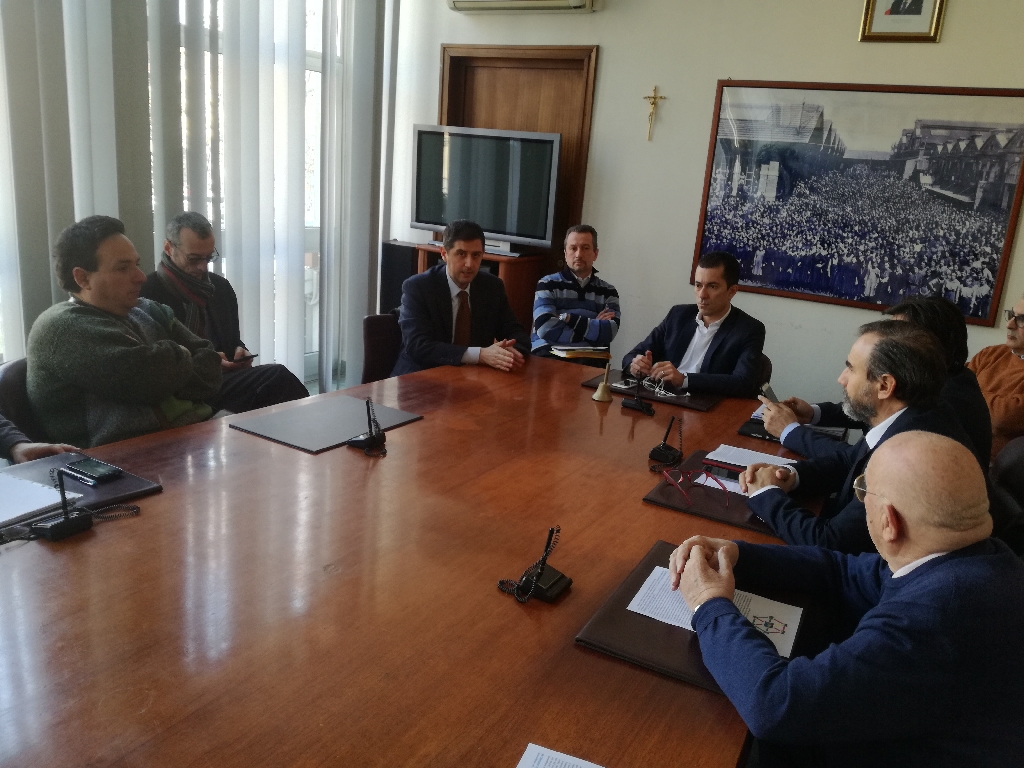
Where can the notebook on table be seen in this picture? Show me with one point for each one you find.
(626, 385)
(124, 487)
(320, 423)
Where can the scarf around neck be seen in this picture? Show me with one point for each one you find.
(194, 293)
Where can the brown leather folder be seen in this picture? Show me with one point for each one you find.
(693, 402)
(671, 650)
(641, 640)
(123, 488)
(709, 502)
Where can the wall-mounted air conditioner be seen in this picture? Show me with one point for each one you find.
(577, 6)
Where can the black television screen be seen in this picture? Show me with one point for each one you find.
(502, 180)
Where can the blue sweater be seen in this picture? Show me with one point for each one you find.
(562, 293)
(924, 670)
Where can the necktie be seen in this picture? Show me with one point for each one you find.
(462, 320)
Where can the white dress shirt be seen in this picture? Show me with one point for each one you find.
(920, 561)
(472, 354)
(698, 347)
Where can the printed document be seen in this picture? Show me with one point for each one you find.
(539, 757)
(741, 457)
(777, 621)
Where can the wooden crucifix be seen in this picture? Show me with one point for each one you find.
(653, 100)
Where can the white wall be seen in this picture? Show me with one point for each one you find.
(644, 198)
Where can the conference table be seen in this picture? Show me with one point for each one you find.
(276, 608)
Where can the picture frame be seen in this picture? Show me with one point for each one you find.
(864, 195)
(902, 21)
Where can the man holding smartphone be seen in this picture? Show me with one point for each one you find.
(205, 303)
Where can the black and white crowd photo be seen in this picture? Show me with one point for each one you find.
(866, 198)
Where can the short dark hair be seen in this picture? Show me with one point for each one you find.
(730, 267)
(188, 220)
(940, 316)
(581, 228)
(76, 247)
(461, 229)
(912, 355)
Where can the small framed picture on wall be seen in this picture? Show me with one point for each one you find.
(902, 21)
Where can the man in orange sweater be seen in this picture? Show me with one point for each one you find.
(1000, 372)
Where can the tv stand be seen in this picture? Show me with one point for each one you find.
(519, 273)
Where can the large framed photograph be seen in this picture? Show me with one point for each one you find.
(863, 195)
(902, 21)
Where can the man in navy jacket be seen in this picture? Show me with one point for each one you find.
(710, 346)
(454, 314)
(920, 662)
(892, 379)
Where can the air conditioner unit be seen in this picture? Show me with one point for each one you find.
(565, 6)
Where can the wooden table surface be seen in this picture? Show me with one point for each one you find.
(273, 608)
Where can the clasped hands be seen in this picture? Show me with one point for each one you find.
(701, 569)
(644, 365)
(502, 355)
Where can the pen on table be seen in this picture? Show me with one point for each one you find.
(544, 559)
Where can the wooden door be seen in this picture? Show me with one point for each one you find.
(527, 88)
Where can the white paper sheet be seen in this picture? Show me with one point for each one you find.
(730, 485)
(22, 498)
(777, 621)
(741, 457)
(539, 757)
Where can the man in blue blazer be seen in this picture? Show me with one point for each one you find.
(710, 346)
(454, 314)
(892, 379)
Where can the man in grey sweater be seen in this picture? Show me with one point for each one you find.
(107, 365)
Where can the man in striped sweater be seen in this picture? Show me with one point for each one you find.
(575, 307)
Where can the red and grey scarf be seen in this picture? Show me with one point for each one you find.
(194, 292)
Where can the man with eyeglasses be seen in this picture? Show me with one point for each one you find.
(206, 304)
(916, 657)
(892, 380)
(1000, 372)
(108, 365)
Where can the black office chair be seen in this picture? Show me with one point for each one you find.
(382, 341)
(764, 371)
(1006, 495)
(14, 404)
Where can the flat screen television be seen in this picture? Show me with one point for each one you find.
(502, 180)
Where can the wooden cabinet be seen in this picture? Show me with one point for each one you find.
(519, 273)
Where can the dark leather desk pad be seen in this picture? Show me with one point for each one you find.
(694, 402)
(707, 502)
(320, 423)
(665, 648)
(124, 488)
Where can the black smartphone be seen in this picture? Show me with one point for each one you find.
(244, 359)
(92, 471)
(766, 390)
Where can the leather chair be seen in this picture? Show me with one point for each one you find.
(382, 341)
(1006, 494)
(764, 374)
(14, 404)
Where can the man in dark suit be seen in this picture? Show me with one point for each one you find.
(892, 379)
(960, 393)
(710, 346)
(454, 314)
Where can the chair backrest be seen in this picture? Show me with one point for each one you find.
(14, 404)
(1008, 469)
(382, 341)
(764, 374)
